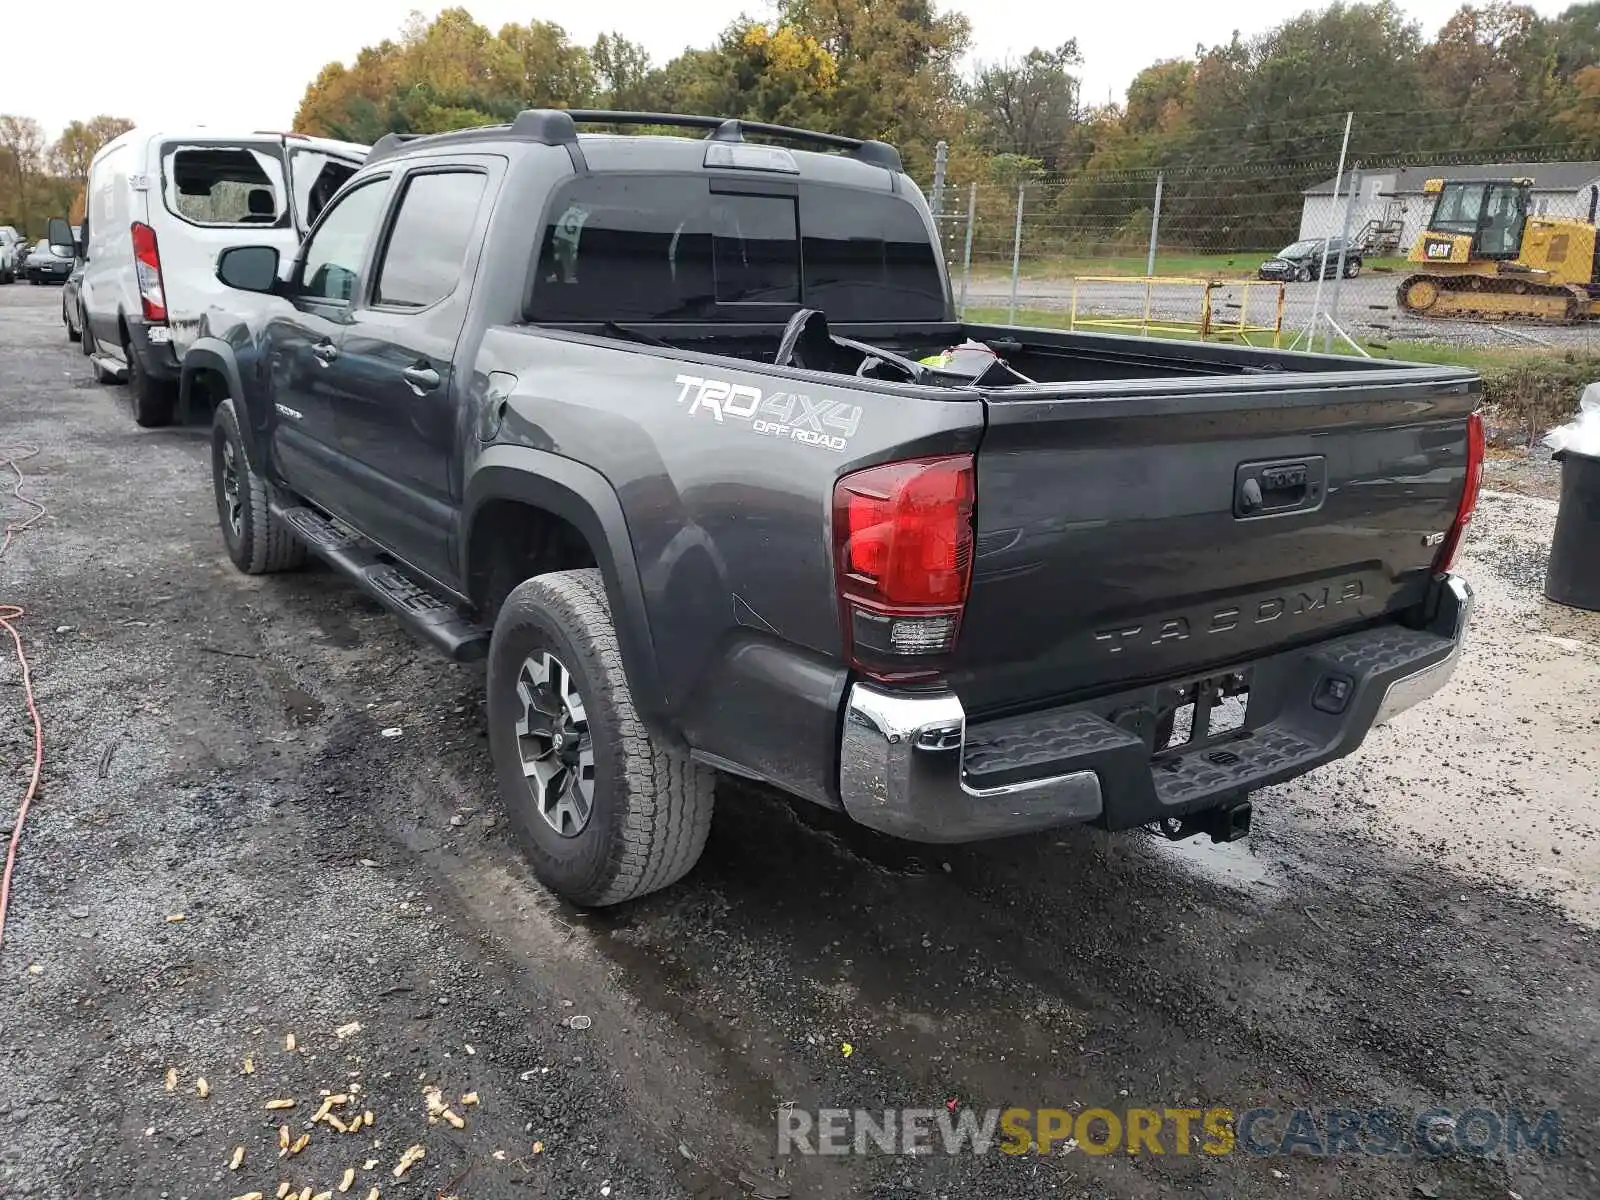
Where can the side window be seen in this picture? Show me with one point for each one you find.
(225, 185)
(333, 255)
(428, 243)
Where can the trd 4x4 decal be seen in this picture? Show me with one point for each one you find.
(793, 415)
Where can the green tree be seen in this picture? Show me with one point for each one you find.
(1029, 106)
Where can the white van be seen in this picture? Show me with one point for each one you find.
(160, 207)
(10, 242)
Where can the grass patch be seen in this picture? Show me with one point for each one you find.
(1525, 391)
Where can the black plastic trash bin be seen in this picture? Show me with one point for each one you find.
(1573, 576)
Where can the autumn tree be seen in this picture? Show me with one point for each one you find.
(1488, 80)
(80, 141)
(897, 64)
(22, 146)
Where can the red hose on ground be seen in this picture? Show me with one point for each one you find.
(10, 457)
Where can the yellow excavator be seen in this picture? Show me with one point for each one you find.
(1485, 257)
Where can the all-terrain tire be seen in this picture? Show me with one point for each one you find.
(154, 400)
(651, 807)
(260, 544)
(73, 335)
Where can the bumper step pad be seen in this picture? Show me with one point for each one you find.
(1141, 786)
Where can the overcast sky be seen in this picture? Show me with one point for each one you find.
(182, 62)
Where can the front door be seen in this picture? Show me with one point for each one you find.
(396, 409)
(304, 342)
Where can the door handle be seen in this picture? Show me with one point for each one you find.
(325, 352)
(421, 377)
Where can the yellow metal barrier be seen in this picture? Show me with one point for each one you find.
(1209, 325)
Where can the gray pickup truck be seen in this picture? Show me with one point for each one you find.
(683, 434)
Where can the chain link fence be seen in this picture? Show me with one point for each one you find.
(1052, 247)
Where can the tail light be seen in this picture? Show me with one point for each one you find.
(902, 537)
(1469, 496)
(147, 266)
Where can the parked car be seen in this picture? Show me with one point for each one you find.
(48, 262)
(161, 204)
(10, 241)
(707, 504)
(1302, 261)
(71, 305)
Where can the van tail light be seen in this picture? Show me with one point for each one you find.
(902, 535)
(147, 266)
(1469, 497)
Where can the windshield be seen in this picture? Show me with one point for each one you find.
(1300, 250)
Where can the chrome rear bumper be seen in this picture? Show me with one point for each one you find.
(903, 766)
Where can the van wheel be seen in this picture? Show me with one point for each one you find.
(154, 400)
(258, 543)
(603, 813)
(73, 334)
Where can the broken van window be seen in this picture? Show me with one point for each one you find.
(225, 185)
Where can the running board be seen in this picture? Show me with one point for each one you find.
(114, 370)
(435, 620)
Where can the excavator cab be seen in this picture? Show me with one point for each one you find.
(1491, 216)
(1482, 256)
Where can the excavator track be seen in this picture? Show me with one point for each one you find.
(1493, 298)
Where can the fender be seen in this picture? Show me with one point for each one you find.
(585, 499)
(214, 354)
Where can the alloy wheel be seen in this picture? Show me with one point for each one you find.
(233, 487)
(554, 743)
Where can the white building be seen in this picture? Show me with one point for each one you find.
(1389, 205)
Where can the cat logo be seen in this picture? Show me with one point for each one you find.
(1438, 248)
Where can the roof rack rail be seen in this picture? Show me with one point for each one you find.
(389, 143)
(559, 127)
(731, 129)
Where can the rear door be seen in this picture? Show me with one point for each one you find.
(1140, 532)
(395, 409)
(211, 194)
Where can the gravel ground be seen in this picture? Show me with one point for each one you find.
(1412, 926)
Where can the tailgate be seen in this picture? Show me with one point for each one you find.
(1141, 531)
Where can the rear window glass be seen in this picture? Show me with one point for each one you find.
(621, 247)
(225, 185)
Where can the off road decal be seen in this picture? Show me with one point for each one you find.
(794, 416)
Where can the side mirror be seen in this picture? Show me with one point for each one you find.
(59, 233)
(249, 268)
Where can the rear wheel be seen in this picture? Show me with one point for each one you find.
(258, 543)
(154, 400)
(1352, 267)
(602, 811)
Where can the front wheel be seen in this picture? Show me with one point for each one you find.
(73, 334)
(602, 811)
(1303, 274)
(258, 543)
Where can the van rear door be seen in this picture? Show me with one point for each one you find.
(212, 194)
